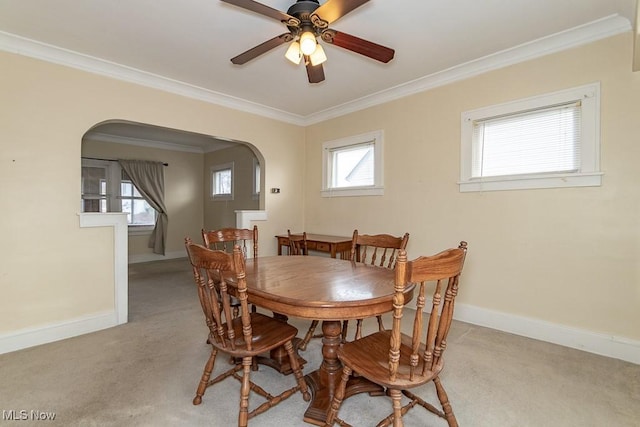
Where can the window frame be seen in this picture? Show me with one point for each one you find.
(212, 176)
(377, 189)
(589, 173)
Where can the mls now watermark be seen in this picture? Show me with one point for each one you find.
(27, 415)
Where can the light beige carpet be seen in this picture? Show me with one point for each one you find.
(145, 373)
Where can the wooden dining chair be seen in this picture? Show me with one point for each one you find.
(297, 243)
(225, 239)
(298, 246)
(399, 362)
(380, 250)
(243, 337)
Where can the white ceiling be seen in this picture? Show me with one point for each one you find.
(185, 46)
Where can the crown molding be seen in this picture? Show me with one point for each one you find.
(46, 52)
(577, 36)
(140, 142)
(587, 33)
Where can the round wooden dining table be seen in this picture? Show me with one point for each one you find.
(327, 289)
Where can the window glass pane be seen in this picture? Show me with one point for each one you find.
(142, 213)
(126, 189)
(126, 207)
(256, 184)
(353, 166)
(94, 189)
(138, 211)
(540, 141)
(222, 182)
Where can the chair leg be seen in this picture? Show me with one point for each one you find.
(380, 324)
(204, 379)
(308, 336)
(444, 401)
(243, 415)
(338, 396)
(396, 396)
(358, 329)
(295, 367)
(345, 329)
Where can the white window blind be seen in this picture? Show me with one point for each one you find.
(545, 140)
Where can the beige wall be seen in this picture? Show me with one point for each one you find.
(566, 256)
(52, 270)
(183, 190)
(221, 213)
(563, 256)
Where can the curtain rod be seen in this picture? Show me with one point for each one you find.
(110, 160)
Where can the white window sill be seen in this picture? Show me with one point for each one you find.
(531, 182)
(144, 230)
(222, 197)
(353, 191)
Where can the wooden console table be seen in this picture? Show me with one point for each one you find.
(322, 243)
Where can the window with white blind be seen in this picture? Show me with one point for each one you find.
(543, 142)
(353, 166)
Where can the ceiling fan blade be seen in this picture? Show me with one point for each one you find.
(254, 52)
(315, 73)
(358, 45)
(265, 10)
(335, 9)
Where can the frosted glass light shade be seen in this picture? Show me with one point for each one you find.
(293, 53)
(318, 56)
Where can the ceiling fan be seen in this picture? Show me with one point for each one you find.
(307, 20)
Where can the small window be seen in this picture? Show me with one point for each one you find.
(222, 182)
(543, 142)
(256, 178)
(353, 166)
(139, 211)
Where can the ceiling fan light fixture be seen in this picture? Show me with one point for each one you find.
(318, 56)
(308, 43)
(294, 54)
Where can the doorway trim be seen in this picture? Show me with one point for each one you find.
(118, 221)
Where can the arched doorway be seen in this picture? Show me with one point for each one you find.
(191, 205)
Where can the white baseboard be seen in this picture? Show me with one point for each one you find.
(135, 259)
(602, 344)
(56, 331)
(592, 342)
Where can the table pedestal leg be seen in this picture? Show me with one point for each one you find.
(323, 382)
